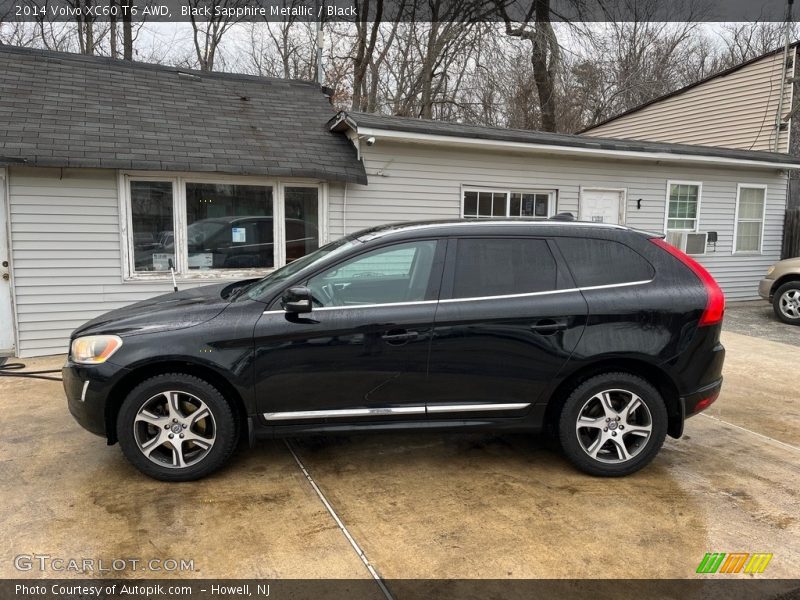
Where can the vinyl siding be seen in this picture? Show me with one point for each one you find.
(732, 111)
(66, 254)
(424, 182)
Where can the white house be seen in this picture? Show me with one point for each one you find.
(111, 169)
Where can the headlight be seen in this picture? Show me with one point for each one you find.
(94, 349)
(770, 270)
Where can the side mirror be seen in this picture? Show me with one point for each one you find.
(297, 300)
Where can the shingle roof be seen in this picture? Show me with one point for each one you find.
(541, 138)
(67, 110)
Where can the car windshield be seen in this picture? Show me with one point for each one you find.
(257, 289)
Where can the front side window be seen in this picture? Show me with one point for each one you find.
(684, 200)
(219, 226)
(750, 218)
(398, 273)
(488, 204)
(502, 266)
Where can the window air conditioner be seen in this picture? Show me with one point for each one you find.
(696, 243)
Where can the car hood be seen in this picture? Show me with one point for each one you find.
(789, 264)
(176, 310)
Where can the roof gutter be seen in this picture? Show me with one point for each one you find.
(427, 138)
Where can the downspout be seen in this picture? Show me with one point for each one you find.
(779, 114)
(320, 43)
(344, 211)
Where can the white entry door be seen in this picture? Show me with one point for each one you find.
(602, 205)
(6, 316)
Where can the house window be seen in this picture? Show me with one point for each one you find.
(229, 226)
(219, 226)
(683, 206)
(301, 220)
(152, 225)
(488, 204)
(750, 206)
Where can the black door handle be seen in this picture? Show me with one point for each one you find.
(549, 326)
(399, 336)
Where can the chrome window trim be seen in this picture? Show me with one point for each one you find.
(400, 410)
(478, 298)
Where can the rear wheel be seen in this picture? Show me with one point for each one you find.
(613, 424)
(786, 303)
(176, 427)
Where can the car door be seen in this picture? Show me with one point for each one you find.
(362, 351)
(507, 322)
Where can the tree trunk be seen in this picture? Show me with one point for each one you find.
(544, 59)
(127, 30)
(112, 32)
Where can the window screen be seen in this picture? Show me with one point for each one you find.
(603, 262)
(497, 267)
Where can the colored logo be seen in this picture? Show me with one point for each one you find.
(734, 562)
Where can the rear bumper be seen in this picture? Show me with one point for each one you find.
(701, 399)
(765, 288)
(87, 388)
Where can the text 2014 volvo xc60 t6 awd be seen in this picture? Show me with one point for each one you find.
(605, 335)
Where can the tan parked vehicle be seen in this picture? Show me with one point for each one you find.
(781, 286)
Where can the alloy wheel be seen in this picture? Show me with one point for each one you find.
(614, 426)
(790, 304)
(174, 429)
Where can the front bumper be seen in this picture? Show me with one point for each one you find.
(87, 388)
(765, 288)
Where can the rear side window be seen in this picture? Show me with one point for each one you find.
(603, 262)
(502, 266)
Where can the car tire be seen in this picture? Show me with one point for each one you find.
(613, 424)
(176, 427)
(786, 303)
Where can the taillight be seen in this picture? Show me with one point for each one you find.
(715, 303)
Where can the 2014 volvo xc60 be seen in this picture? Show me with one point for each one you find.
(605, 335)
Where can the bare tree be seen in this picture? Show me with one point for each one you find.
(207, 34)
(745, 41)
(537, 29)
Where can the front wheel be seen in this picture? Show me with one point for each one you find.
(613, 424)
(176, 427)
(786, 303)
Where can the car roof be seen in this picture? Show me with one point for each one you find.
(451, 227)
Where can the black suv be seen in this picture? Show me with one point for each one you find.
(605, 335)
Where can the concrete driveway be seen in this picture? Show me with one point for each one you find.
(417, 505)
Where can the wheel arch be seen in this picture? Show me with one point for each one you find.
(145, 371)
(788, 278)
(651, 373)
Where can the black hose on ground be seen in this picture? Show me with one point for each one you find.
(9, 370)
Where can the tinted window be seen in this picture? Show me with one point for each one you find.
(497, 267)
(398, 273)
(603, 262)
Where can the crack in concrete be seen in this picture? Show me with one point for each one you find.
(761, 435)
(340, 524)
